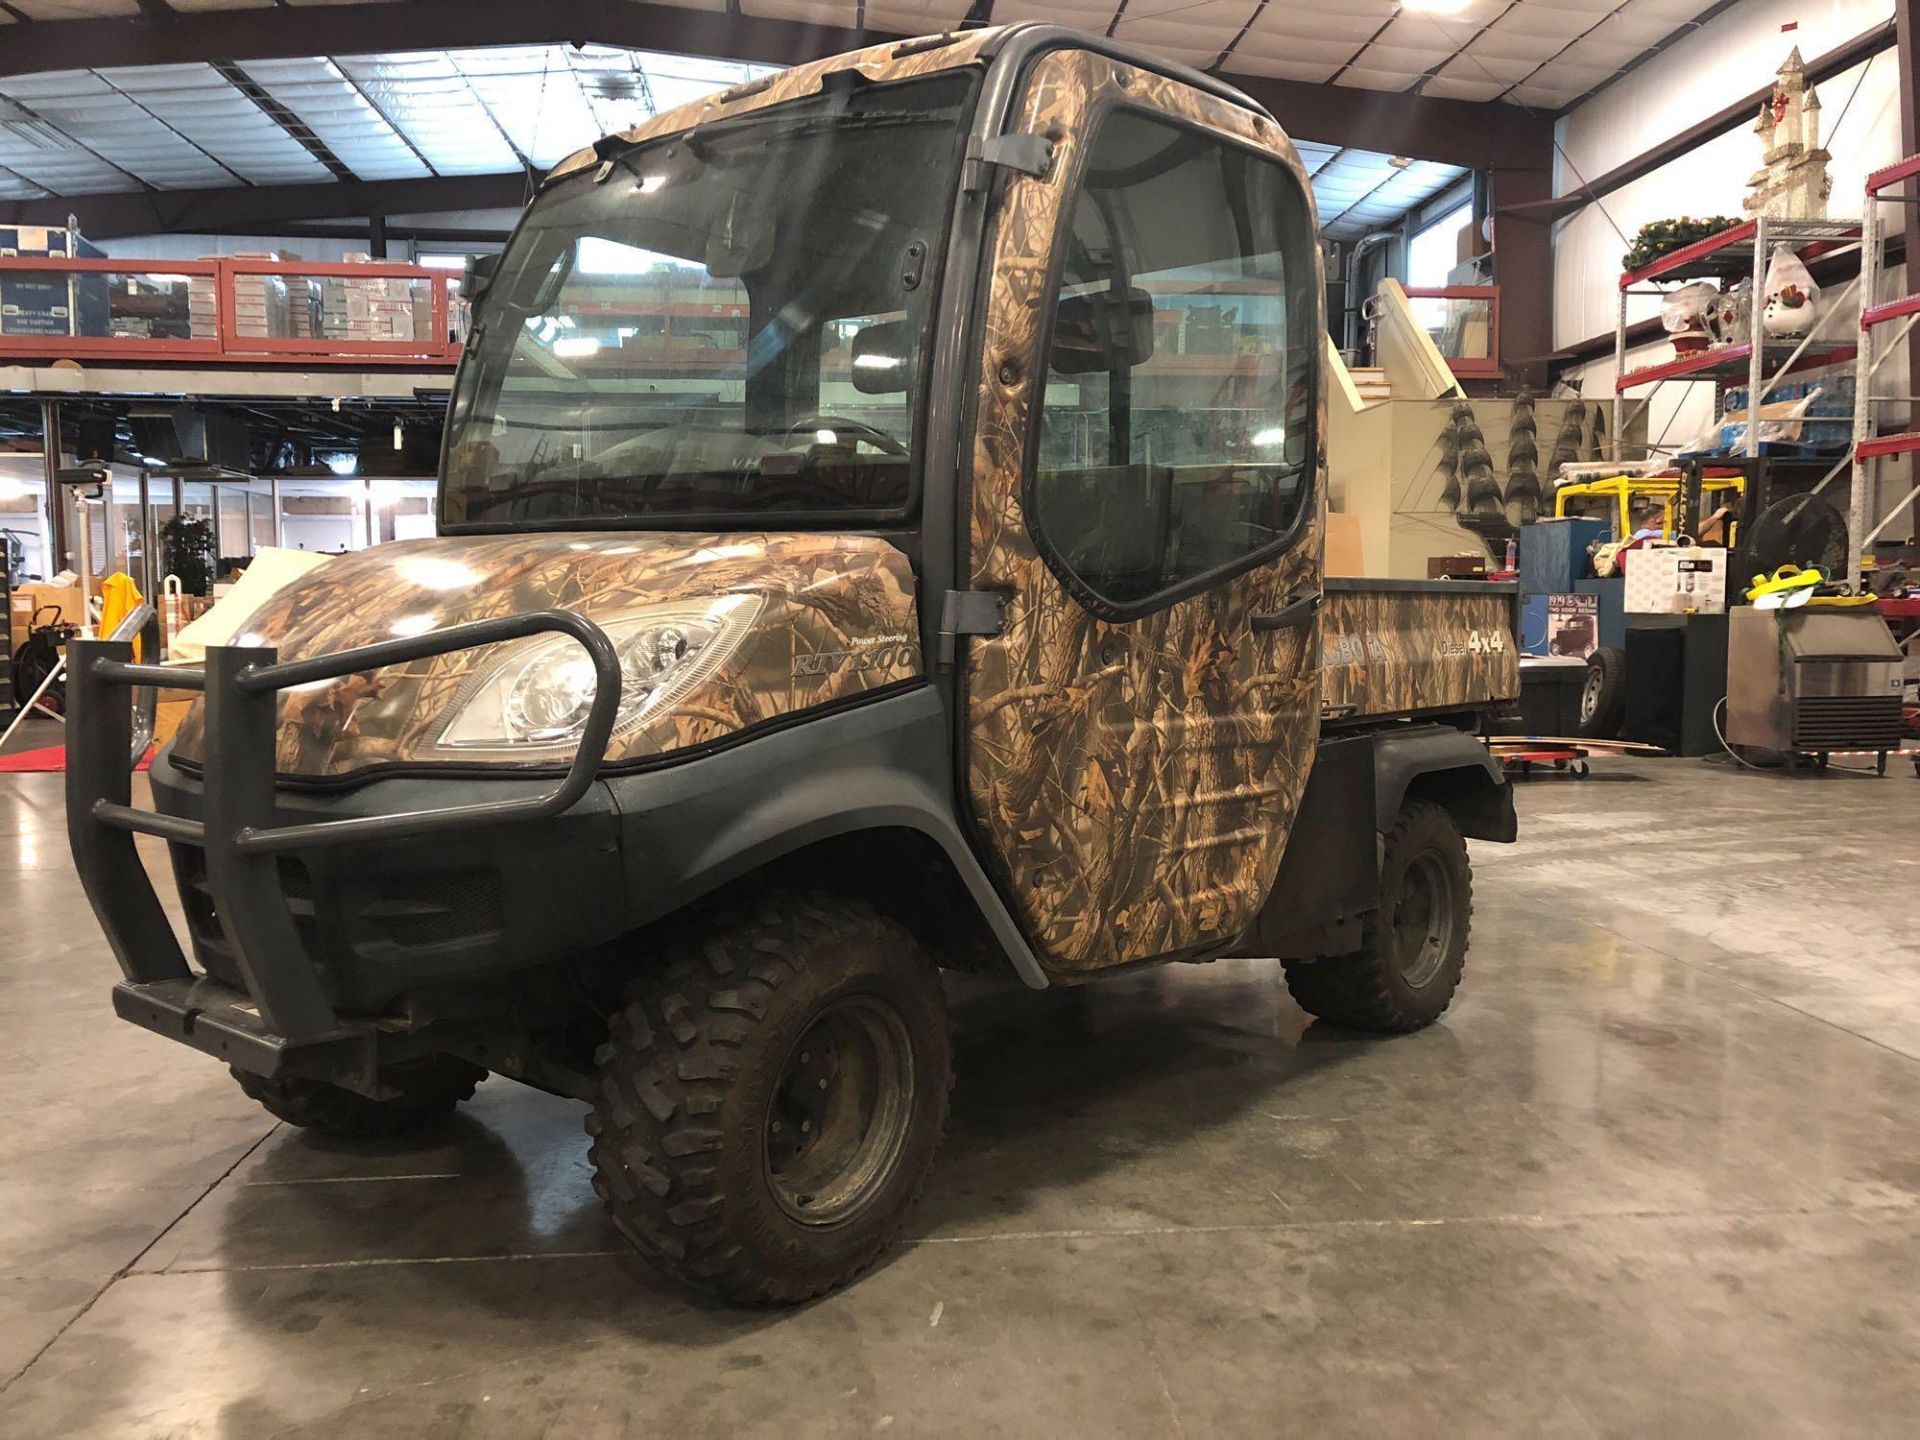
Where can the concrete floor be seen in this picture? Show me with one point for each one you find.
(1656, 1173)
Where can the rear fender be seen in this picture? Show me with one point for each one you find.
(1449, 767)
(1330, 874)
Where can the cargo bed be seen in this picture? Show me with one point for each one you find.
(1392, 648)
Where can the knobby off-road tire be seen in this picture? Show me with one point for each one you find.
(1414, 945)
(771, 1097)
(429, 1091)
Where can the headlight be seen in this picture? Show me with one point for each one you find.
(537, 699)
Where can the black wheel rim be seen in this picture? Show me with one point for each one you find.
(840, 1111)
(1590, 694)
(1423, 919)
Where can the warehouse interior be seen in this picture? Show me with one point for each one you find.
(959, 716)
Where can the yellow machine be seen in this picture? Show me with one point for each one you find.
(1623, 490)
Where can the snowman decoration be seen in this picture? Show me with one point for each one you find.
(1792, 305)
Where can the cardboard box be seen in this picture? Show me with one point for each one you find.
(34, 595)
(170, 708)
(1346, 554)
(1676, 580)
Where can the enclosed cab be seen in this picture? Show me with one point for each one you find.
(880, 530)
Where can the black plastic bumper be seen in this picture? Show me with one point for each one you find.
(388, 917)
(281, 969)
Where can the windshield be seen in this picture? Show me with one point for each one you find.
(716, 328)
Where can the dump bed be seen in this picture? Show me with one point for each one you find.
(1416, 647)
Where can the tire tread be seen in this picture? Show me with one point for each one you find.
(672, 1055)
(1362, 990)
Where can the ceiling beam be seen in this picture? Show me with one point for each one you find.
(1456, 132)
(300, 32)
(288, 123)
(1821, 68)
(1474, 134)
(1428, 128)
(251, 209)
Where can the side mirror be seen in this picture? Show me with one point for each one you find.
(882, 355)
(480, 272)
(1098, 331)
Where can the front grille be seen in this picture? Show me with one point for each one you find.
(210, 944)
(403, 910)
(428, 909)
(1846, 722)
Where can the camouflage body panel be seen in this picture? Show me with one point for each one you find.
(1389, 651)
(1134, 782)
(837, 619)
(877, 63)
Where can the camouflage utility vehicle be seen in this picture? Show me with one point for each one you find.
(880, 530)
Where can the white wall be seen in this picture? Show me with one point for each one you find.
(322, 533)
(1732, 55)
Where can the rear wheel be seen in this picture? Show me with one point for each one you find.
(428, 1092)
(1414, 945)
(1603, 696)
(771, 1098)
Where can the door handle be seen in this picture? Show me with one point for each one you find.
(1298, 610)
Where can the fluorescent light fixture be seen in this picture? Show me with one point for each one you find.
(399, 437)
(876, 362)
(576, 347)
(1272, 435)
(443, 262)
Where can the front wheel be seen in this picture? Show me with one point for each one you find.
(1414, 943)
(771, 1097)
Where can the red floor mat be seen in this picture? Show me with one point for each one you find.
(48, 759)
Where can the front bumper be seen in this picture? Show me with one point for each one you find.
(309, 914)
(409, 915)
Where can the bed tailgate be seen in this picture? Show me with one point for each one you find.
(1414, 647)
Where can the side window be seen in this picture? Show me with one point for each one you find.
(1175, 432)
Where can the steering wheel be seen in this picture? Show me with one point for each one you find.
(837, 423)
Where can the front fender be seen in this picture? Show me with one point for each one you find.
(689, 828)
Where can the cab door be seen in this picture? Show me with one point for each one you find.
(1144, 496)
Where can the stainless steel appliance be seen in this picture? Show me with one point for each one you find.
(1813, 680)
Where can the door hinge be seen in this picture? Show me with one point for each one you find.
(1024, 154)
(968, 612)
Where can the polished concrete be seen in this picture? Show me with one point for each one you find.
(1656, 1174)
